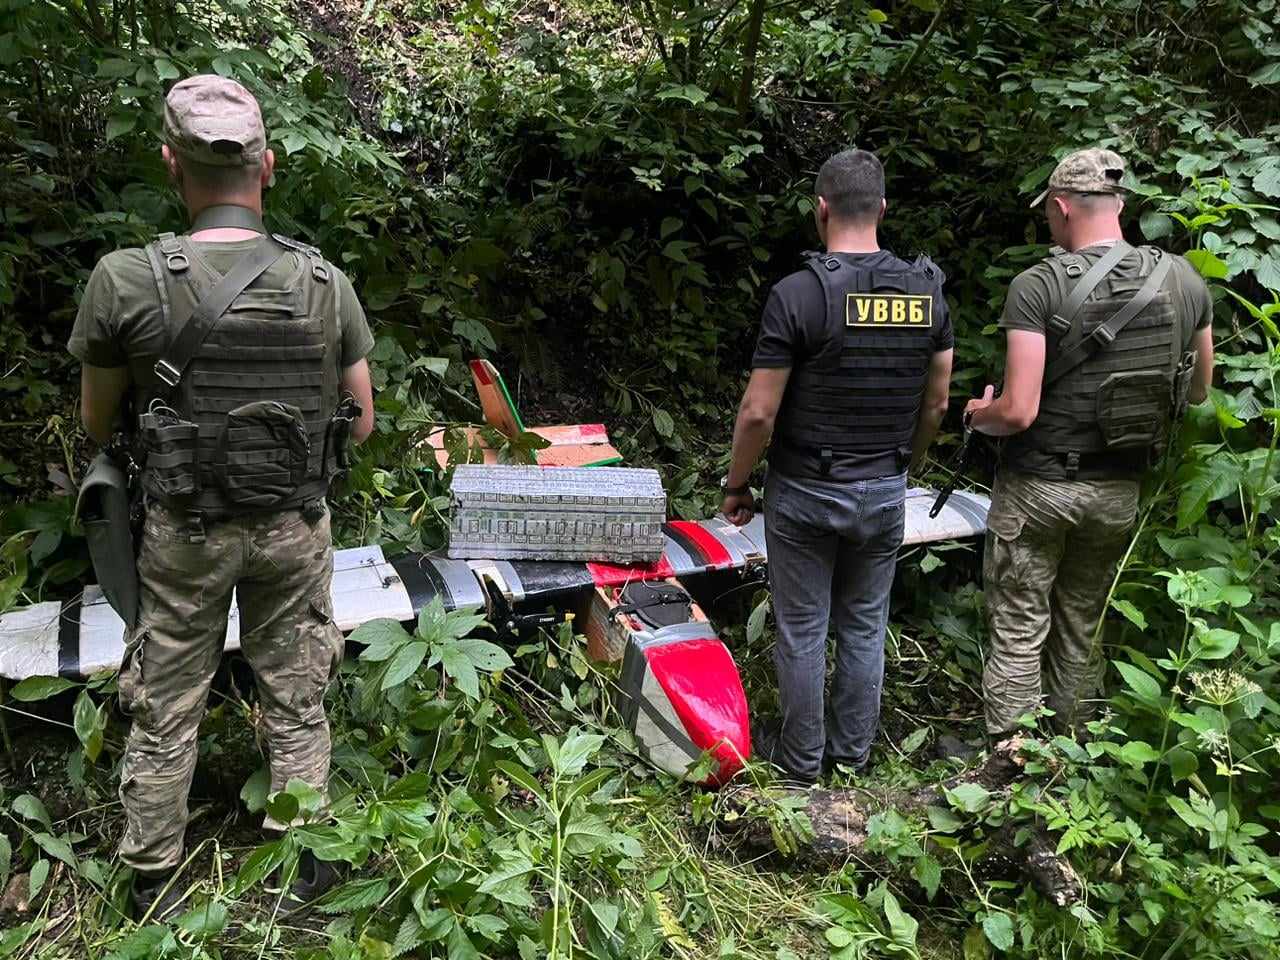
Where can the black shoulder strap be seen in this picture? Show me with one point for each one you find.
(193, 330)
(1107, 331)
(1064, 320)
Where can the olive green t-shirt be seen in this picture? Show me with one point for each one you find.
(120, 323)
(1036, 292)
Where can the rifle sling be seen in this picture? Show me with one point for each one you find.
(1107, 331)
(193, 330)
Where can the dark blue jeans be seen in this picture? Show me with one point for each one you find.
(833, 548)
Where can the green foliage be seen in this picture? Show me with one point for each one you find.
(600, 198)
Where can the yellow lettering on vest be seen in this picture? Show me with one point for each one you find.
(888, 310)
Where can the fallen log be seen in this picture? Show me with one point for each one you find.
(840, 818)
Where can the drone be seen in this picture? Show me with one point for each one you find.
(682, 697)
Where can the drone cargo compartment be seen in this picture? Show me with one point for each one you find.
(609, 514)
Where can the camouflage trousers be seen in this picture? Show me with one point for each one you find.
(280, 566)
(1051, 553)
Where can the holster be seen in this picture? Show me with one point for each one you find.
(103, 507)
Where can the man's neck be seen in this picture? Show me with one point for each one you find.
(853, 241)
(1097, 235)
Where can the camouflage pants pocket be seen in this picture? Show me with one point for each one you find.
(327, 644)
(131, 684)
(1004, 558)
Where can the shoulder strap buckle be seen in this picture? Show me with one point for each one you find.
(1059, 325)
(175, 257)
(319, 270)
(167, 373)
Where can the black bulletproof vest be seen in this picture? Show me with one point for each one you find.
(860, 390)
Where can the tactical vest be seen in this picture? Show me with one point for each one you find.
(255, 421)
(860, 391)
(1114, 411)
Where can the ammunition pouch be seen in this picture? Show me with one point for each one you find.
(262, 454)
(1182, 377)
(1133, 410)
(104, 510)
(172, 451)
(337, 439)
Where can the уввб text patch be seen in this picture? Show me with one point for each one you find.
(889, 310)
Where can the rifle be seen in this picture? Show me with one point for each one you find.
(960, 461)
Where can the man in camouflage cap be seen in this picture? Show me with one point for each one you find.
(1106, 345)
(237, 362)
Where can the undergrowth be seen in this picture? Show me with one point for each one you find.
(597, 195)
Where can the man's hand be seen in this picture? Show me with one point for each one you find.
(739, 508)
(979, 403)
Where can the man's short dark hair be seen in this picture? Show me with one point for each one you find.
(852, 183)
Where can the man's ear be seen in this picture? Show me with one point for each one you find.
(1063, 205)
(171, 164)
(268, 166)
(884, 206)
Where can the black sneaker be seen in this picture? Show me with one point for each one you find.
(156, 898)
(314, 878)
(764, 745)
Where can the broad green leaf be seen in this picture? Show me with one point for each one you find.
(928, 873)
(999, 930)
(460, 945)
(1140, 683)
(663, 423)
(6, 860)
(756, 622)
(354, 895)
(1182, 764)
(1130, 613)
(1155, 225)
(507, 882)
(255, 790)
(36, 879)
(431, 620)
(405, 664)
(943, 820)
(969, 797)
(204, 921)
(902, 926)
(30, 808)
(1202, 483)
(1214, 643)
(521, 776)
(119, 124)
(1210, 265)
(88, 723)
(39, 688)
(575, 751)
(382, 638)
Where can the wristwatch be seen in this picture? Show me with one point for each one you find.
(729, 491)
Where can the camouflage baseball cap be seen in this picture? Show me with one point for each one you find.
(1093, 170)
(211, 119)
